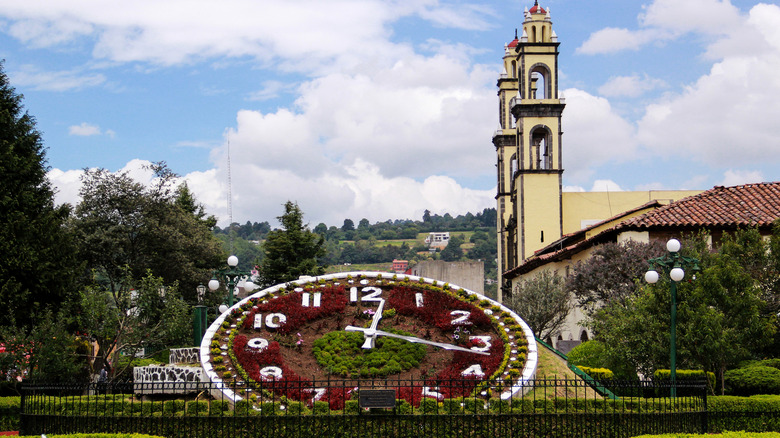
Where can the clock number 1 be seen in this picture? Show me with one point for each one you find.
(369, 294)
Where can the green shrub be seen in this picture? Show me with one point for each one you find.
(752, 380)
(600, 374)
(686, 375)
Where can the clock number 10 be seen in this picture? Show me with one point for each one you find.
(272, 320)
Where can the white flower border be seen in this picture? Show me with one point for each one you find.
(523, 384)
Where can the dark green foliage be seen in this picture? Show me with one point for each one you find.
(292, 251)
(757, 379)
(37, 265)
(125, 228)
(453, 251)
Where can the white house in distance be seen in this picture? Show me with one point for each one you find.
(437, 240)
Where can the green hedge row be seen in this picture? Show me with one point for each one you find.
(107, 407)
(756, 379)
(740, 434)
(9, 413)
(96, 435)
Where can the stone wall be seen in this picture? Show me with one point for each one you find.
(470, 275)
(167, 379)
(185, 355)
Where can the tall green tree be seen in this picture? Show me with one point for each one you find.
(720, 317)
(36, 257)
(292, 251)
(121, 224)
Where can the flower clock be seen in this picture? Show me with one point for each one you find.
(320, 339)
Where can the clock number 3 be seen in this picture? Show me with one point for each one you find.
(460, 317)
(369, 294)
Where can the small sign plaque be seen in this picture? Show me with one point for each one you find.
(377, 398)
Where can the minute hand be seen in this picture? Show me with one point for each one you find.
(413, 339)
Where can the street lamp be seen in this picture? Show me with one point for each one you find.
(231, 275)
(199, 320)
(672, 263)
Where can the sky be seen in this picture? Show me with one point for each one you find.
(381, 109)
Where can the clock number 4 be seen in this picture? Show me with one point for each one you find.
(367, 294)
(272, 320)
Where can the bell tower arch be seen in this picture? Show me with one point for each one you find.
(529, 201)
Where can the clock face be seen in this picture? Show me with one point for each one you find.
(317, 339)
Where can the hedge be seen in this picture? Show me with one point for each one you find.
(96, 435)
(723, 435)
(600, 374)
(9, 413)
(759, 413)
(757, 379)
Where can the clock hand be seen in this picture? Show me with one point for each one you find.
(413, 339)
(370, 333)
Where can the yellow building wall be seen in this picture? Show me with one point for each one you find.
(541, 213)
(581, 209)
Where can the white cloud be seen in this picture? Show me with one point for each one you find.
(630, 86)
(605, 185)
(738, 177)
(726, 118)
(84, 130)
(595, 135)
(300, 34)
(611, 40)
(55, 80)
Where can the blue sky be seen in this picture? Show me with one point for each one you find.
(382, 109)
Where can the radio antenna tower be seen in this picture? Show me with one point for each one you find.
(230, 199)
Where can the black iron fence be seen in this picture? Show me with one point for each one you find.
(361, 408)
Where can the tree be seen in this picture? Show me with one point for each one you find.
(139, 313)
(36, 257)
(720, 318)
(453, 251)
(121, 224)
(292, 251)
(611, 272)
(348, 225)
(543, 302)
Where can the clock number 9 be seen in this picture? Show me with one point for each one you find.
(369, 294)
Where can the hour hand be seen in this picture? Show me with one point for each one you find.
(370, 333)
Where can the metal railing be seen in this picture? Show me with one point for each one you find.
(552, 408)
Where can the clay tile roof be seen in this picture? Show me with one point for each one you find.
(513, 43)
(536, 9)
(737, 206)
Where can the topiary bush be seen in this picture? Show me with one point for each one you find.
(752, 380)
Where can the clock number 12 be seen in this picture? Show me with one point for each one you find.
(369, 294)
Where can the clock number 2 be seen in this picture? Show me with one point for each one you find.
(369, 294)
(460, 317)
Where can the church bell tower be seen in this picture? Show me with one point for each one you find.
(528, 144)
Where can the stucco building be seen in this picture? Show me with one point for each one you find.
(533, 210)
